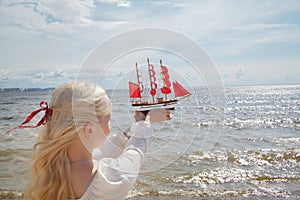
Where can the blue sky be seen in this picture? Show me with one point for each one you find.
(43, 43)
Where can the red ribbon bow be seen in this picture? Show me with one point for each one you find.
(48, 113)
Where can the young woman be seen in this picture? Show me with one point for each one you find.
(72, 158)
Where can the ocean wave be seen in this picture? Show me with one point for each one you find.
(281, 158)
(199, 193)
(7, 103)
(212, 193)
(253, 123)
(10, 194)
(231, 175)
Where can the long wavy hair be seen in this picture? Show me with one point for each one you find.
(73, 104)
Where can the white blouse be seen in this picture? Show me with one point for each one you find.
(119, 161)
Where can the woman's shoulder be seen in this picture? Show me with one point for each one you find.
(91, 190)
(82, 175)
(102, 188)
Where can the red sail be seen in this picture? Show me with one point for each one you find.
(164, 69)
(167, 84)
(134, 90)
(152, 80)
(165, 90)
(179, 90)
(153, 92)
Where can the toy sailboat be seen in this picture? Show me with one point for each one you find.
(137, 92)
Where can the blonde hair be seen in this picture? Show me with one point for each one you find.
(73, 104)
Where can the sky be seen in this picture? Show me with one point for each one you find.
(251, 42)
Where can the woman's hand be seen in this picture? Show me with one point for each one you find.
(159, 115)
(139, 116)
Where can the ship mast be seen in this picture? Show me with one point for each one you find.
(138, 79)
(165, 77)
(151, 76)
(161, 66)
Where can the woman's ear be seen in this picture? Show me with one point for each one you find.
(88, 129)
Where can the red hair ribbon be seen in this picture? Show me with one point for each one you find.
(48, 113)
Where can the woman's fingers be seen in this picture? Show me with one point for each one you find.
(160, 115)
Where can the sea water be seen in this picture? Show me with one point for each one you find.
(250, 150)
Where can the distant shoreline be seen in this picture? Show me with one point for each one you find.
(25, 89)
(16, 89)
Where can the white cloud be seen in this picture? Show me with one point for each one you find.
(56, 74)
(107, 25)
(9, 78)
(37, 17)
(118, 3)
(251, 27)
(277, 70)
(270, 32)
(64, 11)
(4, 75)
(39, 76)
(171, 4)
(61, 17)
(288, 34)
